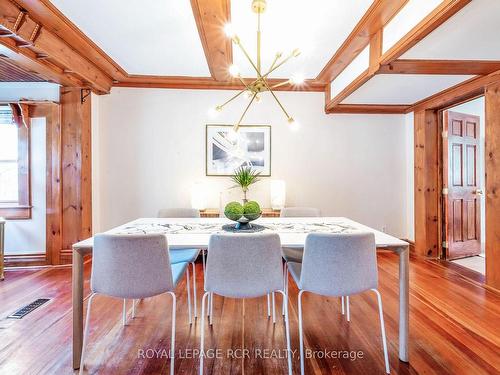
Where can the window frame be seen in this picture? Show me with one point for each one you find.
(21, 210)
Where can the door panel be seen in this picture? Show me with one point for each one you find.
(460, 171)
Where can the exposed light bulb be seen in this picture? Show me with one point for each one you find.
(234, 70)
(296, 52)
(294, 125)
(297, 79)
(229, 30)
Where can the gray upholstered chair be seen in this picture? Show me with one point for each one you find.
(185, 255)
(129, 267)
(179, 212)
(295, 254)
(244, 266)
(338, 265)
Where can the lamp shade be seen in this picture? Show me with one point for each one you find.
(199, 196)
(278, 194)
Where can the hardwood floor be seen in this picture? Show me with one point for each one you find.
(454, 329)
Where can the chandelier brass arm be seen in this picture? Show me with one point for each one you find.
(260, 84)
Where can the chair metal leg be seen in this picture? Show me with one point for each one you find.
(172, 338)
(202, 333)
(268, 306)
(343, 305)
(348, 309)
(188, 281)
(133, 308)
(287, 331)
(301, 339)
(211, 307)
(382, 331)
(86, 332)
(194, 291)
(285, 278)
(274, 310)
(124, 312)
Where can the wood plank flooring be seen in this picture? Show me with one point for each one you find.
(454, 329)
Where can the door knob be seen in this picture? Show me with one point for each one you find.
(478, 192)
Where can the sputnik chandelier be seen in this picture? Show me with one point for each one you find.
(255, 88)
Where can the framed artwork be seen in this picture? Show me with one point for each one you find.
(227, 150)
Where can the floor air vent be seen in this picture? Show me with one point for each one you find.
(23, 311)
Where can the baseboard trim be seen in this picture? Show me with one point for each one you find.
(25, 260)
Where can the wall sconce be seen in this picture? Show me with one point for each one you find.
(199, 196)
(278, 194)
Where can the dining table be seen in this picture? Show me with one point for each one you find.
(196, 232)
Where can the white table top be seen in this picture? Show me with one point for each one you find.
(197, 235)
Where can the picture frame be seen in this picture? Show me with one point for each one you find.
(226, 150)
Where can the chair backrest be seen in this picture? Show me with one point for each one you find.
(131, 266)
(300, 212)
(179, 212)
(244, 265)
(339, 264)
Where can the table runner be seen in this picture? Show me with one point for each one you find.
(205, 228)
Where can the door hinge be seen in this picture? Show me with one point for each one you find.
(444, 191)
(444, 134)
(445, 244)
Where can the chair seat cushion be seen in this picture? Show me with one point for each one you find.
(291, 254)
(183, 255)
(178, 270)
(295, 270)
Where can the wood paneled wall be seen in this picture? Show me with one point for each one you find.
(492, 167)
(76, 170)
(427, 194)
(68, 181)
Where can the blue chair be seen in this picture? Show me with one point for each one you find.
(184, 255)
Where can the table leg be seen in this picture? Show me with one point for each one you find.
(404, 303)
(77, 307)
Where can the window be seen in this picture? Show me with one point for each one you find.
(14, 167)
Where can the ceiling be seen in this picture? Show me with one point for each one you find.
(472, 34)
(368, 52)
(160, 37)
(153, 37)
(10, 72)
(316, 27)
(402, 88)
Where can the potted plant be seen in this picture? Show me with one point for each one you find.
(245, 176)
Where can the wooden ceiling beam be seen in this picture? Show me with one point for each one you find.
(381, 63)
(472, 67)
(370, 108)
(374, 66)
(464, 91)
(433, 20)
(32, 36)
(211, 16)
(55, 21)
(208, 83)
(28, 60)
(377, 16)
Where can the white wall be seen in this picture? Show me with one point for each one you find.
(28, 236)
(477, 107)
(151, 149)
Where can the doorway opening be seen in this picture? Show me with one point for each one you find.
(464, 185)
